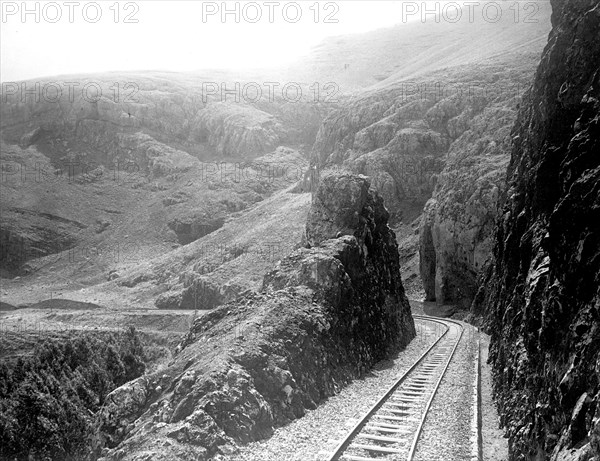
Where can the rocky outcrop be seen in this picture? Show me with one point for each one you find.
(326, 314)
(238, 130)
(383, 135)
(427, 252)
(458, 222)
(192, 228)
(198, 292)
(28, 234)
(343, 205)
(541, 295)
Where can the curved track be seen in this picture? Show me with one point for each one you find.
(392, 428)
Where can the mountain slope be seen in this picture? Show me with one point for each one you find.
(411, 50)
(92, 181)
(163, 140)
(325, 315)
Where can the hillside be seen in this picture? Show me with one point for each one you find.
(414, 49)
(92, 184)
(261, 361)
(95, 187)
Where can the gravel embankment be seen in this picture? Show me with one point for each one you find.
(320, 431)
(495, 445)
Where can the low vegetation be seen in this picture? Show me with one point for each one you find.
(48, 398)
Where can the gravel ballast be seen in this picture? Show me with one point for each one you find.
(449, 433)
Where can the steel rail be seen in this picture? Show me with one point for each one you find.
(413, 447)
(356, 430)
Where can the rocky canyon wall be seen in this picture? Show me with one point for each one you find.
(458, 221)
(541, 296)
(73, 147)
(439, 144)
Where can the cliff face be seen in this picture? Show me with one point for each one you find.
(437, 150)
(237, 130)
(436, 126)
(384, 135)
(400, 131)
(326, 314)
(456, 231)
(541, 296)
(444, 138)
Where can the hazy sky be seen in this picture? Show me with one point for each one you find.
(173, 35)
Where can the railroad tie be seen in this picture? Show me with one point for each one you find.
(357, 458)
(376, 449)
(392, 428)
(380, 438)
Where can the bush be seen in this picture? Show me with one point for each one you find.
(48, 399)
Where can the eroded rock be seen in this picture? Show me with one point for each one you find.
(326, 315)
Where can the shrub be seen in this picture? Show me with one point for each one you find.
(48, 399)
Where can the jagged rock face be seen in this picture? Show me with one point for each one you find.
(99, 127)
(427, 252)
(198, 293)
(325, 316)
(458, 223)
(541, 295)
(443, 137)
(405, 134)
(383, 135)
(344, 205)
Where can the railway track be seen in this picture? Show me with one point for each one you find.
(391, 429)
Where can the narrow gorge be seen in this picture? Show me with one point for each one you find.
(198, 275)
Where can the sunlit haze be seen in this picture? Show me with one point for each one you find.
(175, 37)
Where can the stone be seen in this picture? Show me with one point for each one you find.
(540, 296)
(325, 316)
